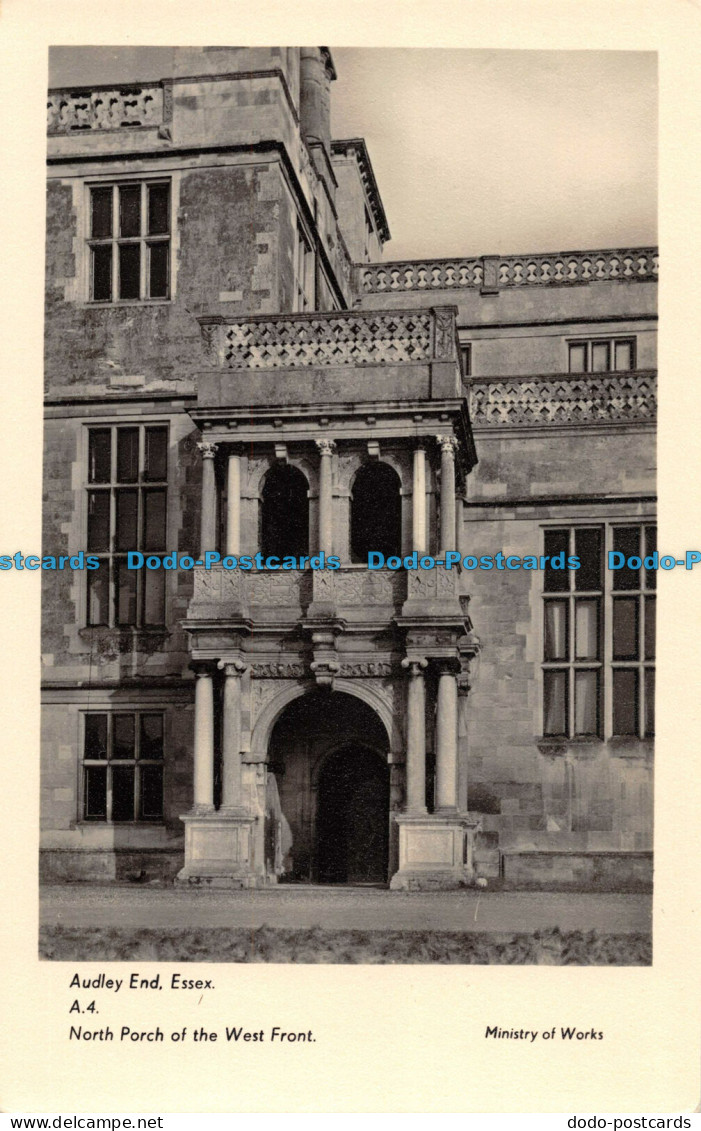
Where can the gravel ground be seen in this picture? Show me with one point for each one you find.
(88, 905)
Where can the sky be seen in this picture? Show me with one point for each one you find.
(480, 152)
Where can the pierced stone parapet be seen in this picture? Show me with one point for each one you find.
(334, 339)
(108, 108)
(496, 272)
(590, 398)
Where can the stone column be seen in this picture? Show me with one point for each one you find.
(231, 735)
(233, 504)
(204, 741)
(416, 737)
(208, 513)
(419, 501)
(447, 739)
(326, 449)
(448, 444)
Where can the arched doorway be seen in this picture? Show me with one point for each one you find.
(352, 827)
(328, 752)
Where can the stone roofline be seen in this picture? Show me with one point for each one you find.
(355, 146)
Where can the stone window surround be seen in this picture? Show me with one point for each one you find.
(610, 341)
(83, 200)
(110, 712)
(606, 663)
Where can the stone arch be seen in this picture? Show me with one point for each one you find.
(272, 710)
(284, 511)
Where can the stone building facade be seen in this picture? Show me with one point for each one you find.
(232, 369)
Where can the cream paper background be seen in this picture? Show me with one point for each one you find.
(410, 1038)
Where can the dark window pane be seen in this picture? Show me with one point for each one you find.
(127, 511)
(578, 358)
(130, 210)
(158, 255)
(122, 793)
(650, 547)
(625, 701)
(625, 628)
(123, 736)
(130, 270)
(554, 702)
(99, 455)
(586, 635)
(586, 702)
(650, 625)
(102, 272)
(125, 586)
(556, 630)
(101, 213)
(152, 736)
(98, 594)
(95, 736)
(154, 597)
(587, 547)
(623, 356)
(626, 540)
(127, 455)
(156, 453)
(649, 701)
(151, 793)
(466, 354)
(158, 210)
(600, 357)
(556, 544)
(154, 520)
(98, 520)
(96, 791)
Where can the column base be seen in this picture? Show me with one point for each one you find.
(219, 850)
(435, 852)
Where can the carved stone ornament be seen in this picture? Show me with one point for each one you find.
(232, 668)
(414, 665)
(207, 449)
(445, 335)
(210, 339)
(283, 670)
(447, 444)
(381, 669)
(326, 447)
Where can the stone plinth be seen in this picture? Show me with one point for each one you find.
(219, 850)
(435, 852)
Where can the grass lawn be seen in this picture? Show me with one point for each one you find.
(311, 945)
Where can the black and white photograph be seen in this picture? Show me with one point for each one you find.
(349, 526)
(339, 515)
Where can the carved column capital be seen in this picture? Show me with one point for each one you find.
(207, 448)
(414, 665)
(447, 444)
(326, 447)
(232, 667)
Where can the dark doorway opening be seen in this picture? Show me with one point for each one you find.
(352, 825)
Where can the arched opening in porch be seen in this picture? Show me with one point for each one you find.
(328, 752)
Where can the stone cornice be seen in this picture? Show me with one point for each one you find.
(356, 147)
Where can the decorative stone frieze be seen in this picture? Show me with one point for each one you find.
(108, 108)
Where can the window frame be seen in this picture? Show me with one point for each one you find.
(109, 762)
(610, 341)
(605, 663)
(113, 554)
(115, 240)
(304, 273)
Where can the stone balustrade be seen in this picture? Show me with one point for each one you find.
(337, 338)
(108, 108)
(492, 273)
(587, 398)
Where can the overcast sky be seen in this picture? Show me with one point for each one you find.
(478, 152)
